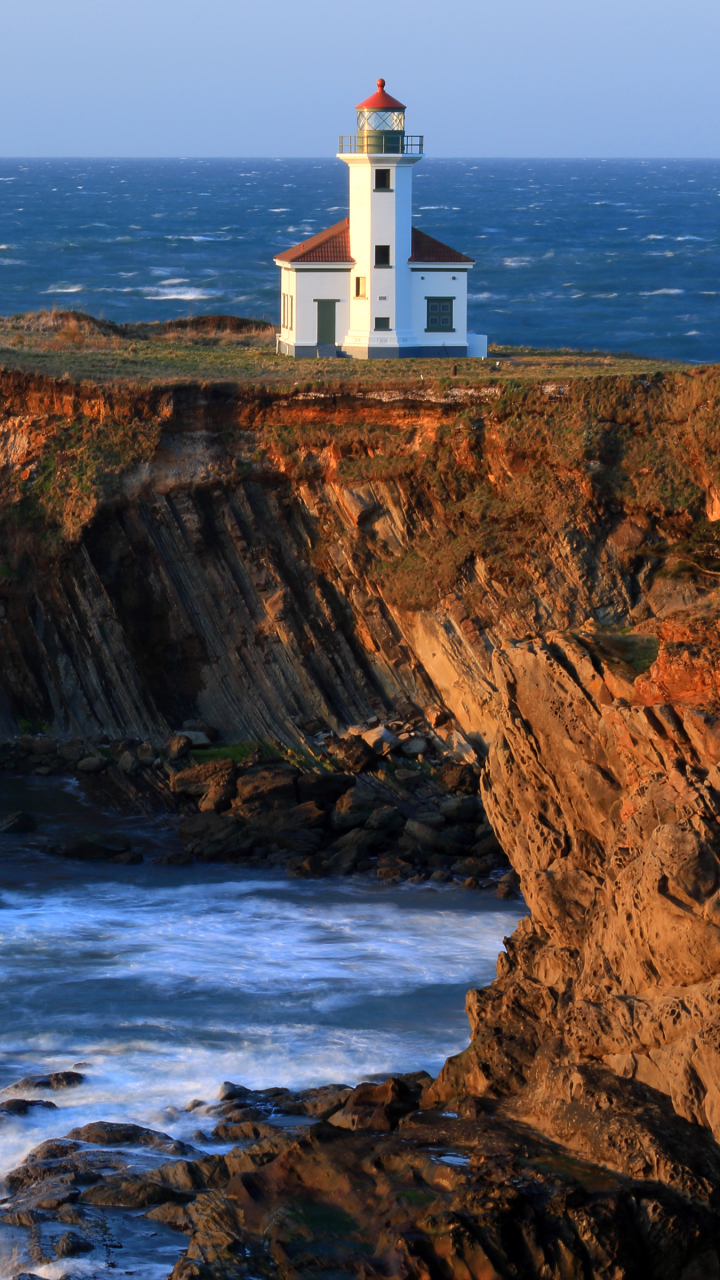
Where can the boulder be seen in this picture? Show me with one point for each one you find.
(415, 746)
(201, 726)
(387, 819)
(353, 809)
(70, 1245)
(377, 1107)
(91, 764)
(324, 789)
(96, 848)
(72, 751)
(381, 740)
(44, 747)
(271, 786)
(353, 754)
(128, 762)
(53, 1080)
(21, 1106)
(177, 747)
(462, 778)
(461, 808)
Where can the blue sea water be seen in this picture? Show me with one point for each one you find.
(617, 255)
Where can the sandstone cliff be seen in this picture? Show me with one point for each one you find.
(542, 560)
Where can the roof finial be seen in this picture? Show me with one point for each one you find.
(380, 84)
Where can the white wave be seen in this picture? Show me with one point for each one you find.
(652, 293)
(654, 237)
(65, 288)
(484, 297)
(287, 210)
(693, 333)
(12, 262)
(184, 295)
(517, 262)
(702, 238)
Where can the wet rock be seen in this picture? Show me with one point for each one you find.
(91, 764)
(229, 1092)
(175, 858)
(17, 824)
(107, 1133)
(129, 1193)
(353, 809)
(99, 849)
(71, 1245)
(174, 1216)
(53, 1080)
(178, 747)
(21, 1106)
(72, 751)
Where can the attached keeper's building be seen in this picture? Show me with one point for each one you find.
(374, 285)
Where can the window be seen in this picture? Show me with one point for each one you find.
(440, 314)
(287, 311)
(360, 286)
(382, 323)
(382, 255)
(382, 179)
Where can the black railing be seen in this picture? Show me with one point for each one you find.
(376, 144)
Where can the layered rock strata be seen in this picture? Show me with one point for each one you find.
(542, 563)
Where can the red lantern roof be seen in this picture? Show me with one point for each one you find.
(380, 101)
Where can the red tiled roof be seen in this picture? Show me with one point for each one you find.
(332, 245)
(380, 101)
(426, 248)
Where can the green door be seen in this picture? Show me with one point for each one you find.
(326, 323)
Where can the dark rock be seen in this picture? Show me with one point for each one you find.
(353, 754)
(197, 781)
(202, 726)
(107, 1133)
(96, 848)
(177, 747)
(376, 1107)
(387, 819)
(176, 858)
(353, 809)
(461, 808)
(17, 824)
(21, 1106)
(70, 1245)
(308, 815)
(461, 778)
(129, 1193)
(324, 789)
(229, 1092)
(271, 786)
(53, 1080)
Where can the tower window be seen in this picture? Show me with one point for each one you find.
(382, 179)
(440, 314)
(287, 311)
(382, 255)
(360, 286)
(382, 324)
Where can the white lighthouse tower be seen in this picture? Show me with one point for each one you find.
(374, 285)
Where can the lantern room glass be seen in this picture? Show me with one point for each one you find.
(385, 120)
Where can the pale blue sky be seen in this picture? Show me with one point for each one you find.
(576, 78)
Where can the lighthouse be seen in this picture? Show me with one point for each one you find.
(374, 286)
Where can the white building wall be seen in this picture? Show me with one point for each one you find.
(380, 217)
(312, 283)
(432, 282)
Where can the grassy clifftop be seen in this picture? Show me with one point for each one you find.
(223, 348)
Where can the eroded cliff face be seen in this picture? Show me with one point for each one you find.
(541, 560)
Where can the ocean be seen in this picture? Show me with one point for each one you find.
(616, 255)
